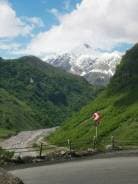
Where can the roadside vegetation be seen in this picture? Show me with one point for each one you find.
(5, 133)
(5, 156)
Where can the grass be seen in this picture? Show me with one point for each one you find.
(120, 121)
(4, 133)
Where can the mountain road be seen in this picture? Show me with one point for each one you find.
(122, 170)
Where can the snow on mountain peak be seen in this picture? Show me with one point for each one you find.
(95, 66)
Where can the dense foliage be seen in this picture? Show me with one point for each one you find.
(5, 156)
(118, 105)
(14, 114)
(34, 94)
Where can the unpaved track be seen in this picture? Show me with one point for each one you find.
(25, 138)
(98, 171)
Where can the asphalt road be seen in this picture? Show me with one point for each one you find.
(97, 171)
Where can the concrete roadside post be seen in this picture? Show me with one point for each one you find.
(69, 145)
(113, 142)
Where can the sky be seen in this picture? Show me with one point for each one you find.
(44, 27)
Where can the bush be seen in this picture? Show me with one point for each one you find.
(5, 156)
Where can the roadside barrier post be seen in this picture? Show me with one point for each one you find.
(69, 145)
(113, 142)
(96, 131)
(41, 150)
(94, 142)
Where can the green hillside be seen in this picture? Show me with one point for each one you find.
(34, 94)
(14, 114)
(118, 105)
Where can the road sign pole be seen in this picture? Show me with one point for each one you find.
(94, 142)
(96, 117)
(96, 133)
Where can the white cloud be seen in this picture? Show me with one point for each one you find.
(12, 26)
(9, 46)
(55, 12)
(100, 23)
(33, 21)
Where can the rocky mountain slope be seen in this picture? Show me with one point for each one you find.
(96, 68)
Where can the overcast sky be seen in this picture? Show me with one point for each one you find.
(40, 27)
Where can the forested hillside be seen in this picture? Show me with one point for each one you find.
(34, 94)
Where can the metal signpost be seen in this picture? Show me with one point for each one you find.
(96, 117)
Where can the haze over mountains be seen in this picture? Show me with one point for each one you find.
(97, 68)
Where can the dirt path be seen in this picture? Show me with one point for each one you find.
(25, 139)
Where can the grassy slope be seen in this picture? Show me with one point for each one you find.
(118, 105)
(14, 114)
(4, 133)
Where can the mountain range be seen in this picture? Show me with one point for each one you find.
(96, 67)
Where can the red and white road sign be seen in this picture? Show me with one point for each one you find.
(96, 116)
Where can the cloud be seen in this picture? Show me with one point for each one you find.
(33, 21)
(99, 23)
(13, 26)
(55, 12)
(9, 46)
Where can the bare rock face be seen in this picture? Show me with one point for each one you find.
(6, 178)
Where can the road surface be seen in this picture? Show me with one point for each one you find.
(96, 171)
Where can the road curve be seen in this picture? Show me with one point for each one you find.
(97, 171)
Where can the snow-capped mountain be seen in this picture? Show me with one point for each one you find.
(96, 67)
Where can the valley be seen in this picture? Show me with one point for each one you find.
(68, 92)
(35, 95)
(41, 96)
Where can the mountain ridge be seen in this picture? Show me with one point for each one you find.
(51, 94)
